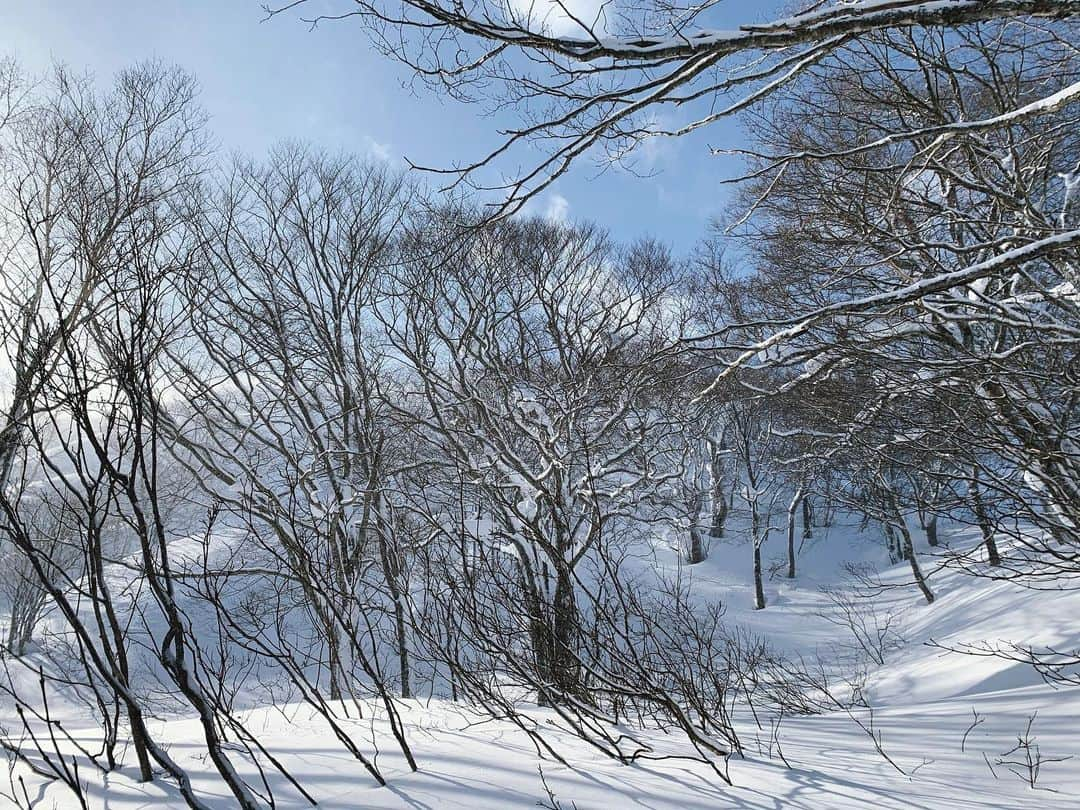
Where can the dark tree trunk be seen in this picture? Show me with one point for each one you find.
(718, 497)
(982, 517)
(895, 553)
(759, 588)
(931, 531)
(697, 546)
(392, 569)
(791, 547)
(758, 540)
(140, 738)
(565, 634)
(899, 531)
(333, 661)
(403, 649)
(554, 632)
(719, 516)
(827, 506)
(793, 507)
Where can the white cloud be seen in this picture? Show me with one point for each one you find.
(553, 207)
(376, 150)
(560, 17)
(557, 209)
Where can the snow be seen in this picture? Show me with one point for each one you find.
(493, 767)
(824, 19)
(925, 699)
(898, 297)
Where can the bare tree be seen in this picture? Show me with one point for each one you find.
(55, 533)
(942, 298)
(526, 346)
(86, 179)
(288, 422)
(605, 81)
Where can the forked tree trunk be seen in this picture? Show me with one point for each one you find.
(554, 631)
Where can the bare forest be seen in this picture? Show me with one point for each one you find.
(327, 481)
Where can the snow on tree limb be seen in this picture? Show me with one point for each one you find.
(899, 297)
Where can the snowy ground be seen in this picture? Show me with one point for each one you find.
(833, 764)
(925, 700)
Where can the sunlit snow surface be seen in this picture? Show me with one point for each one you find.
(925, 700)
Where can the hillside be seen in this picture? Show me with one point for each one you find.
(925, 701)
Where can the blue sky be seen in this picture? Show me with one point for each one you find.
(265, 81)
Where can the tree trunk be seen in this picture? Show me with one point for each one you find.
(992, 555)
(931, 531)
(403, 648)
(892, 544)
(827, 507)
(554, 630)
(139, 738)
(697, 545)
(392, 569)
(565, 633)
(807, 518)
(540, 632)
(899, 530)
(719, 517)
(916, 571)
(22, 619)
(335, 663)
(758, 540)
(797, 499)
(759, 588)
(719, 503)
(986, 526)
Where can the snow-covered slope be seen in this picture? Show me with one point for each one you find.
(946, 721)
(492, 766)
